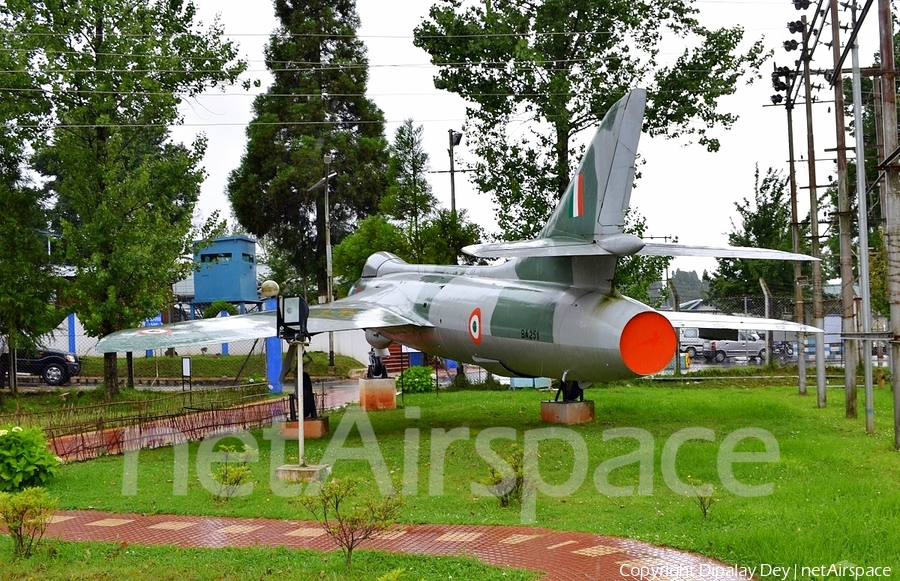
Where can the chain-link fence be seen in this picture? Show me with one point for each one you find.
(785, 308)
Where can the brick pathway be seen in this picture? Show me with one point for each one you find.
(562, 556)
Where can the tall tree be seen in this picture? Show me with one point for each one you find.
(765, 222)
(315, 106)
(562, 64)
(445, 235)
(29, 282)
(116, 72)
(373, 234)
(408, 198)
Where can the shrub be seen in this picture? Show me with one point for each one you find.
(704, 495)
(25, 460)
(508, 484)
(234, 471)
(347, 522)
(416, 380)
(26, 515)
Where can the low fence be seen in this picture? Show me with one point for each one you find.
(81, 432)
(191, 425)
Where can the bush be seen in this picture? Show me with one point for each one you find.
(508, 484)
(25, 460)
(233, 472)
(26, 516)
(416, 380)
(347, 520)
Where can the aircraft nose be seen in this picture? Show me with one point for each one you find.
(647, 343)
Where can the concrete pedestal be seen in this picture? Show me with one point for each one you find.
(312, 428)
(310, 473)
(567, 413)
(377, 394)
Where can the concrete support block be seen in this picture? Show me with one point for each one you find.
(377, 394)
(312, 429)
(567, 413)
(310, 473)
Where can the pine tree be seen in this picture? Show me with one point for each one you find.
(315, 106)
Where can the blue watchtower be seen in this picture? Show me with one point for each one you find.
(227, 272)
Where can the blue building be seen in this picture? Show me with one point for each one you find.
(227, 272)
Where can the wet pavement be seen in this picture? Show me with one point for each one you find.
(559, 555)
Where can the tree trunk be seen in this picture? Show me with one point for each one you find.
(110, 375)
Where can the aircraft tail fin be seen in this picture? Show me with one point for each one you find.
(598, 195)
(590, 216)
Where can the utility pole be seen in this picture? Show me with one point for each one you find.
(455, 138)
(799, 309)
(892, 198)
(863, 245)
(818, 310)
(844, 225)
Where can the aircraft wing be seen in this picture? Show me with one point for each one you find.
(680, 319)
(664, 249)
(347, 314)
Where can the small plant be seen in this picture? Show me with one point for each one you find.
(704, 494)
(350, 522)
(26, 515)
(508, 484)
(233, 471)
(392, 575)
(416, 380)
(25, 460)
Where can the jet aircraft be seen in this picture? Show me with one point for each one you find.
(549, 310)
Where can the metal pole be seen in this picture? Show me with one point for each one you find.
(453, 138)
(844, 225)
(892, 202)
(795, 236)
(301, 458)
(863, 248)
(818, 312)
(328, 271)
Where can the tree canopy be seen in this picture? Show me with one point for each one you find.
(114, 73)
(537, 73)
(316, 106)
(765, 222)
(29, 282)
(408, 199)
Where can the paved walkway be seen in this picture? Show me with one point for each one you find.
(562, 556)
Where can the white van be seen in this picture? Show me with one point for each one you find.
(691, 343)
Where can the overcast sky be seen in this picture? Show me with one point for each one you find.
(684, 192)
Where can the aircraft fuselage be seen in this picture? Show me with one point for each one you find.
(523, 328)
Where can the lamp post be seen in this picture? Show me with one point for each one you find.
(455, 138)
(328, 273)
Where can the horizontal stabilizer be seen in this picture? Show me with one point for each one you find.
(681, 319)
(664, 249)
(347, 315)
(621, 245)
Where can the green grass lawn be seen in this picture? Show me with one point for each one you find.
(836, 496)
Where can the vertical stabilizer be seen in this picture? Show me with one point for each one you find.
(595, 201)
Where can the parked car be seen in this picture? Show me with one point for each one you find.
(54, 367)
(690, 341)
(746, 345)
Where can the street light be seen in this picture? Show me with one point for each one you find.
(328, 158)
(455, 138)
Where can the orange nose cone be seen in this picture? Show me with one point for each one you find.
(648, 343)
